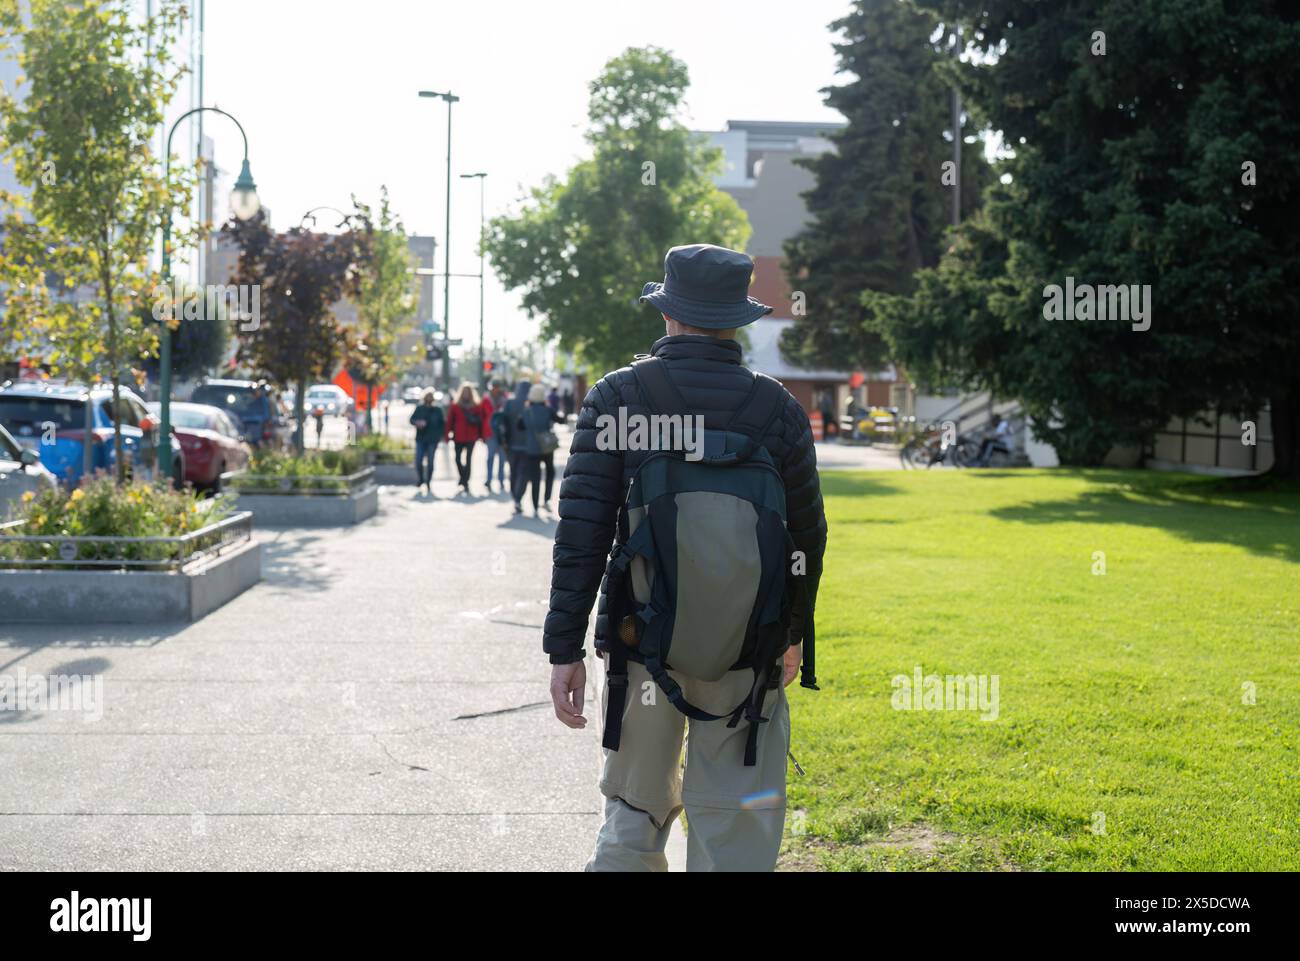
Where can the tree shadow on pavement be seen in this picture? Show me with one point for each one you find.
(30, 638)
(290, 562)
(70, 675)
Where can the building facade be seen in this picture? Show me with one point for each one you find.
(761, 173)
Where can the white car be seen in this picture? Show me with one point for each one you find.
(331, 397)
(20, 471)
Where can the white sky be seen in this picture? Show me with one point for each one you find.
(327, 91)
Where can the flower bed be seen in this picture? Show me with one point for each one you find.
(102, 525)
(276, 472)
(134, 554)
(380, 450)
(316, 488)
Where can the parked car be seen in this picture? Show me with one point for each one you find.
(51, 420)
(21, 471)
(413, 395)
(211, 441)
(252, 405)
(331, 397)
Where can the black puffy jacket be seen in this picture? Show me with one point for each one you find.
(712, 381)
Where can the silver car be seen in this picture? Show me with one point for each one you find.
(20, 471)
(329, 397)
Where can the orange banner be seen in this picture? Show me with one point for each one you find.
(360, 396)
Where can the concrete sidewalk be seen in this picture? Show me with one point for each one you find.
(379, 701)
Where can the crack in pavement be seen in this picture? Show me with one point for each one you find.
(504, 710)
(405, 764)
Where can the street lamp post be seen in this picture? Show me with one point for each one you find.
(481, 177)
(244, 204)
(311, 215)
(450, 98)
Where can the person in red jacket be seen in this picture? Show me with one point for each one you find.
(467, 424)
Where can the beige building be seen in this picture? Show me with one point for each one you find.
(761, 173)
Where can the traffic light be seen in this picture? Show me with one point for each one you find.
(433, 353)
(489, 366)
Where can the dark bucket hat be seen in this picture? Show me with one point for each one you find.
(706, 286)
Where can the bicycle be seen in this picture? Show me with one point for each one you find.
(927, 449)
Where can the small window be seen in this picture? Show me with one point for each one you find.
(129, 418)
(137, 408)
(8, 448)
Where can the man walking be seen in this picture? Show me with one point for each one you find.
(512, 444)
(494, 408)
(428, 420)
(732, 651)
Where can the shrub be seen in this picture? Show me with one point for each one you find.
(100, 508)
(382, 443)
(316, 470)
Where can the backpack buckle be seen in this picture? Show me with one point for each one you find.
(615, 680)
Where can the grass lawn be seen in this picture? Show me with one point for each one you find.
(1124, 737)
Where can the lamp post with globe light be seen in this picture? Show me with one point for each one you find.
(244, 204)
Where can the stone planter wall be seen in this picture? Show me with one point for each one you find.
(311, 510)
(129, 596)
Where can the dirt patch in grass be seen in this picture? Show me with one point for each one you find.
(908, 847)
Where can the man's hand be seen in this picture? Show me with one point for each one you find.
(568, 687)
(793, 656)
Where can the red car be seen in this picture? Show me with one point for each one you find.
(211, 441)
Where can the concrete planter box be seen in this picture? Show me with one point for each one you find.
(395, 475)
(129, 596)
(392, 469)
(326, 501)
(311, 510)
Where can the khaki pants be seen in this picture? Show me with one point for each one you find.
(736, 814)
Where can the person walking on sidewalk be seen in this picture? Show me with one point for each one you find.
(428, 419)
(535, 429)
(493, 405)
(513, 445)
(707, 599)
(466, 426)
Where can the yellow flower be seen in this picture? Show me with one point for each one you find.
(77, 495)
(28, 497)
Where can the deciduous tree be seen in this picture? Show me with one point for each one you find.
(302, 275)
(581, 248)
(75, 265)
(386, 295)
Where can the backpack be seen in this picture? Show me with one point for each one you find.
(547, 442)
(500, 426)
(437, 423)
(700, 580)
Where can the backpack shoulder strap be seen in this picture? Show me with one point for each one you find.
(659, 390)
(759, 409)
